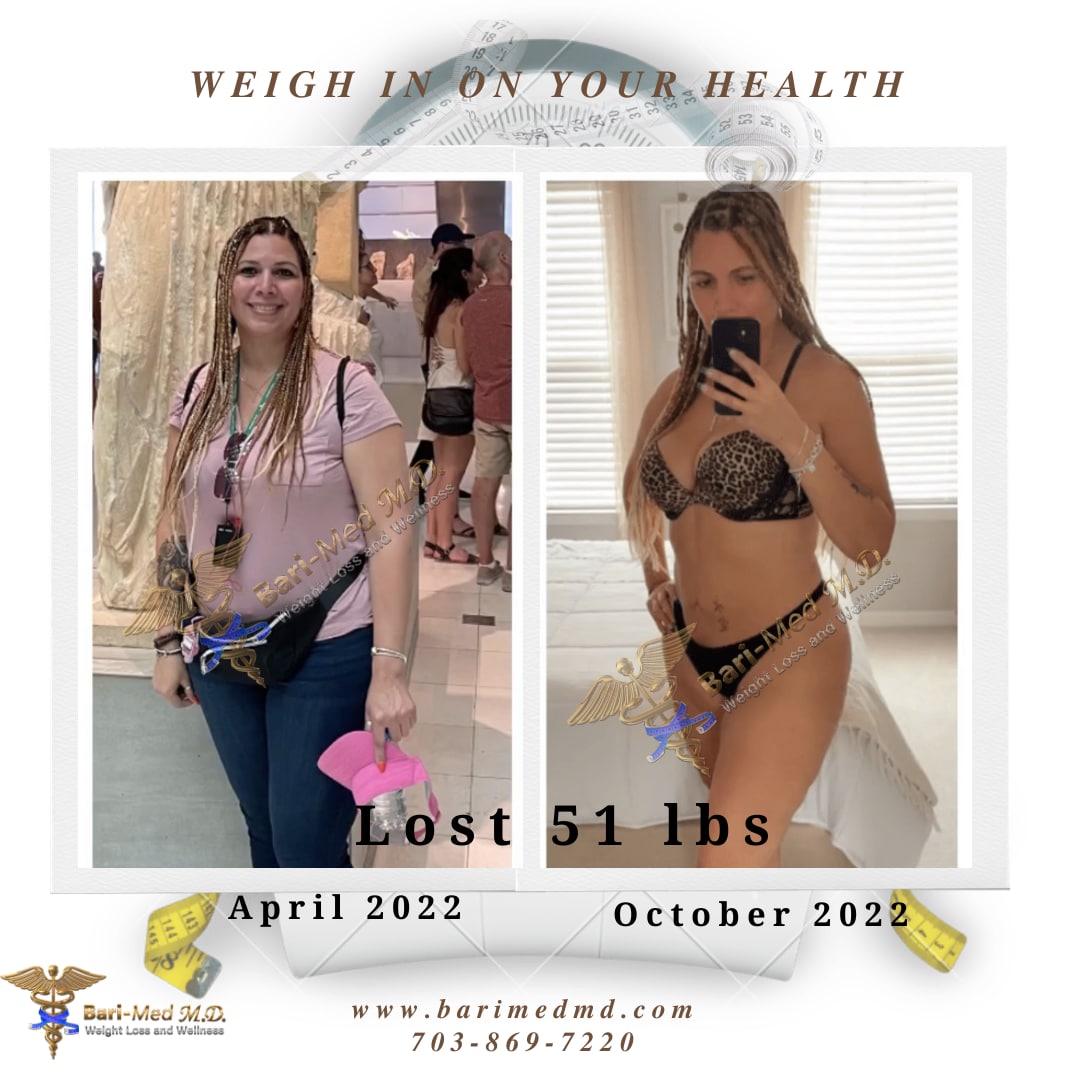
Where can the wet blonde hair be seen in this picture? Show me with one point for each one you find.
(754, 220)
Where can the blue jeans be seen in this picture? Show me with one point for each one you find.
(270, 739)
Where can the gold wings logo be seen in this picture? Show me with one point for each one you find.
(52, 1009)
(649, 692)
(183, 591)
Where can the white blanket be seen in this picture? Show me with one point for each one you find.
(871, 795)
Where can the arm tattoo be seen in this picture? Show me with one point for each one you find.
(171, 556)
(855, 486)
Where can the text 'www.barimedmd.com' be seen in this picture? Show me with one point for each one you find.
(467, 1026)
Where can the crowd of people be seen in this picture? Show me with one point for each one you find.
(462, 300)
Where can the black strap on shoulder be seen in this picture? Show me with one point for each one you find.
(191, 384)
(791, 364)
(342, 368)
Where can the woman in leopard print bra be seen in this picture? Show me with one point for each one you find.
(746, 497)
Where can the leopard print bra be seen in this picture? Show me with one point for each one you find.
(740, 476)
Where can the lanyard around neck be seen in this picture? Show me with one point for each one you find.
(234, 419)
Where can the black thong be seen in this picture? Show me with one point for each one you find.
(729, 664)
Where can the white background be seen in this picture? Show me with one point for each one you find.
(116, 75)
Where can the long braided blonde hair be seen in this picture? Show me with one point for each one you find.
(291, 396)
(754, 220)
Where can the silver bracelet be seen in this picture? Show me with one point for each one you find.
(808, 465)
(806, 435)
(378, 650)
(169, 652)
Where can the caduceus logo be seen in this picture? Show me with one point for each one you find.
(653, 688)
(185, 591)
(52, 1010)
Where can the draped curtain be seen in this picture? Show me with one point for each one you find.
(629, 335)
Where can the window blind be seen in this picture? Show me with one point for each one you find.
(580, 437)
(886, 274)
(886, 297)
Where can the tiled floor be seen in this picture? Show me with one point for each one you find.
(461, 686)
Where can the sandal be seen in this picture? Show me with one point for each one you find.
(441, 554)
(430, 549)
(464, 529)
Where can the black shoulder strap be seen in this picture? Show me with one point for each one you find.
(191, 384)
(791, 364)
(348, 573)
(342, 367)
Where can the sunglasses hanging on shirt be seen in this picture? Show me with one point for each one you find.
(227, 481)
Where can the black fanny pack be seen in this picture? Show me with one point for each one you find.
(268, 653)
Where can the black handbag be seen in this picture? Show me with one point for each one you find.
(447, 410)
(269, 653)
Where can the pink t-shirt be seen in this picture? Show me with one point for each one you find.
(294, 528)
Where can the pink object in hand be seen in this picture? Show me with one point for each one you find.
(350, 761)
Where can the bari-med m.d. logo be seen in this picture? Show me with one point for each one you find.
(52, 996)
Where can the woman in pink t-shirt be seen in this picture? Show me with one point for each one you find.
(257, 450)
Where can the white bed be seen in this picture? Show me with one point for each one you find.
(871, 795)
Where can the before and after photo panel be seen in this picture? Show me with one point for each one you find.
(751, 615)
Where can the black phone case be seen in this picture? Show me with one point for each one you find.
(741, 334)
(226, 532)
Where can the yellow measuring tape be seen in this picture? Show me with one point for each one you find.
(927, 936)
(170, 950)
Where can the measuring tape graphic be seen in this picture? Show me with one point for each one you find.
(492, 45)
(171, 954)
(928, 937)
(772, 142)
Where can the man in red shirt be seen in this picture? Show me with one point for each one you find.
(486, 321)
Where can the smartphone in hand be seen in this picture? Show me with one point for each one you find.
(741, 334)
